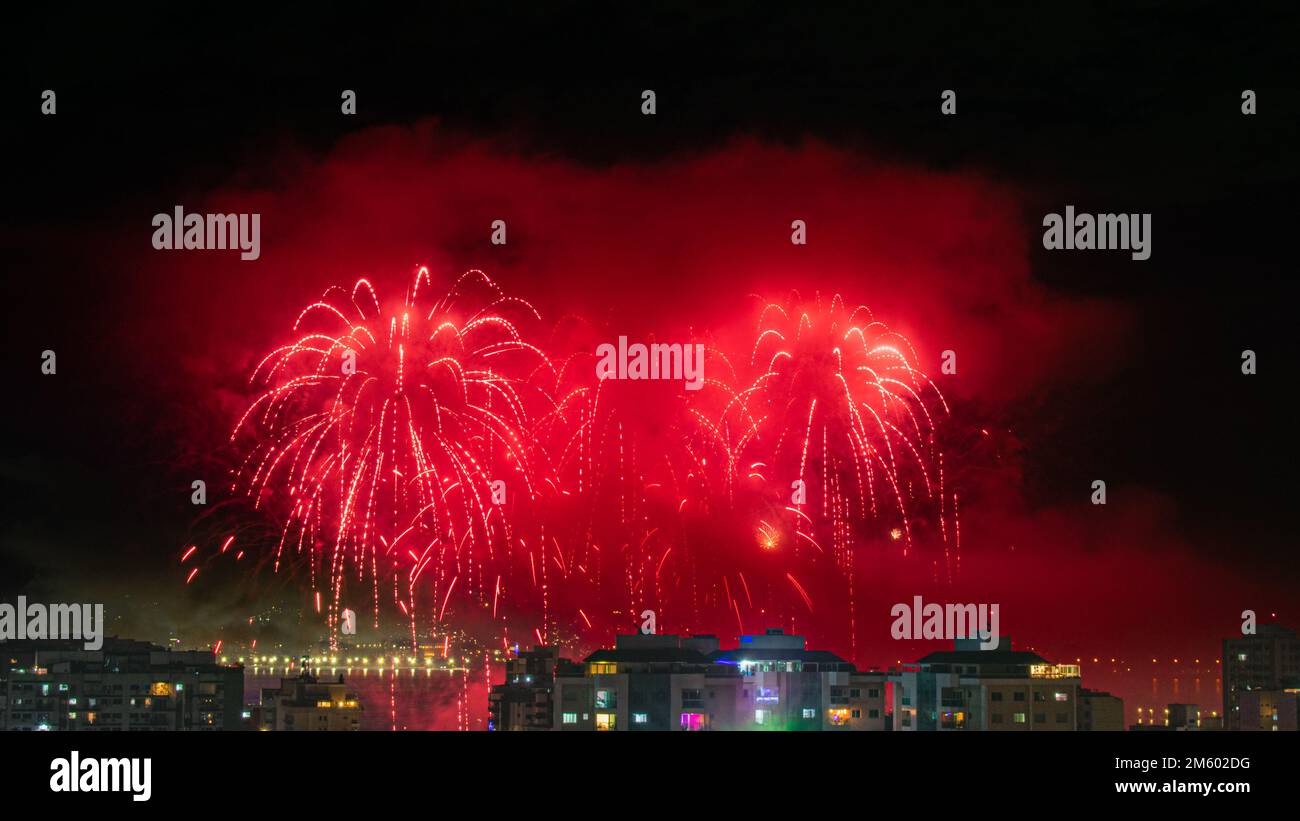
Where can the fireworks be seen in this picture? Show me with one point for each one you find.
(378, 431)
(840, 408)
(378, 435)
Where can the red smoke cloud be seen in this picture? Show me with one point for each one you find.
(677, 246)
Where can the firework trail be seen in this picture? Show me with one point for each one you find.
(839, 423)
(378, 431)
(626, 465)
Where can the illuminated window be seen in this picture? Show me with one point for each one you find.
(160, 688)
(839, 716)
(1018, 718)
(1241, 657)
(640, 718)
(766, 695)
(692, 722)
(603, 668)
(1062, 696)
(760, 716)
(809, 712)
(1054, 670)
(606, 721)
(606, 699)
(569, 718)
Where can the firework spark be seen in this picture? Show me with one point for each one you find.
(379, 429)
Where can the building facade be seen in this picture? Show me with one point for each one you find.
(996, 690)
(1098, 711)
(1268, 710)
(666, 682)
(1267, 660)
(307, 704)
(125, 685)
(524, 701)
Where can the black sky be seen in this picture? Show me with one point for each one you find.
(1129, 107)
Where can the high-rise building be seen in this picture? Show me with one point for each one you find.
(1267, 660)
(788, 686)
(523, 701)
(1268, 710)
(666, 682)
(125, 685)
(1000, 689)
(306, 703)
(654, 682)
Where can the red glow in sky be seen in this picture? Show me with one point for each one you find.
(673, 250)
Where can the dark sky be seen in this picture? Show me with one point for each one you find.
(1086, 366)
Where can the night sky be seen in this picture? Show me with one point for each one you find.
(1079, 366)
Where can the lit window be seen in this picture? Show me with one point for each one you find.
(1019, 718)
(569, 718)
(603, 668)
(692, 722)
(1062, 696)
(606, 721)
(760, 716)
(839, 716)
(606, 699)
(640, 718)
(809, 712)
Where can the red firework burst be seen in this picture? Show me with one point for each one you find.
(378, 432)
